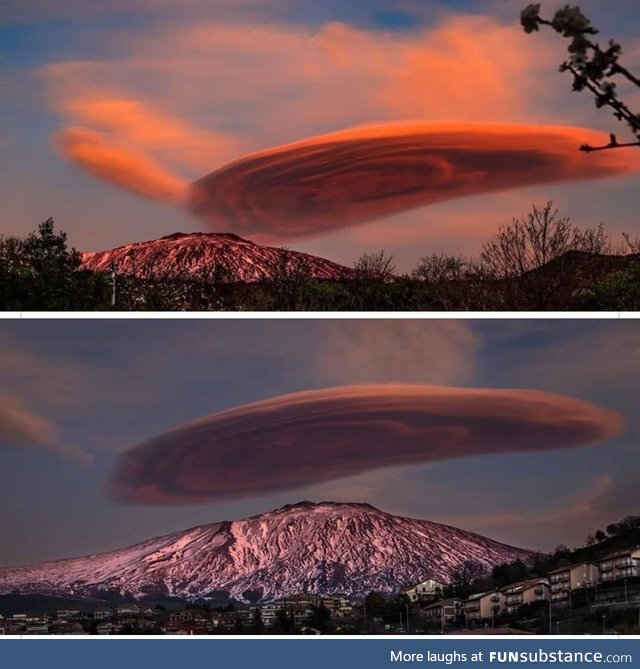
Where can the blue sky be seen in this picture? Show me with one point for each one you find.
(106, 385)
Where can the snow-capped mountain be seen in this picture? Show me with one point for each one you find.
(319, 548)
(211, 256)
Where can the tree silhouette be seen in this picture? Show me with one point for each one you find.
(593, 67)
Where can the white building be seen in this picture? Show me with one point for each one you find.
(428, 590)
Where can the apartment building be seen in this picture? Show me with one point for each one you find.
(526, 592)
(443, 612)
(621, 564)
(564, 580)
(484, 606)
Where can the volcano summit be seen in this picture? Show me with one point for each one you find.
(314, 547)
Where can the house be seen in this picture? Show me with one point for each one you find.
(428, 591)
(270, 612)
(128, 610)
(37, 628)
(484, 606)
(67, 614)
(621, 564)
(526, 592)
(564, 580)
(103, 613)
(224, 619)
(105, 628)
(181, 617)
(299, 600)
(66, 627)
(443, 612)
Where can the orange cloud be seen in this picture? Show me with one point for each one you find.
(270, 83)
(308, 437)
(340, 179)
(139, 124)
(120, 165)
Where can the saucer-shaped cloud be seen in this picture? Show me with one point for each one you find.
(309, 437)
(337, 180)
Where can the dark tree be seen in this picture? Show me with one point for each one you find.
(42, 273)
(464, 576)
(320, 619)
(285, 623)
(257, 625)
(375, 604)
(375, 267)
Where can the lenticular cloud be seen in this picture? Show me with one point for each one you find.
(309, 437)
(325, 183)
(340, 179)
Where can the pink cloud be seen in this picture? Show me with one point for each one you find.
(20, 427)
(353, 176)
(309, 437)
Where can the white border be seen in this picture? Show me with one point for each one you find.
(320, 315)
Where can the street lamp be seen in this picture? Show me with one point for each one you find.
(604, 618)
(495, 607)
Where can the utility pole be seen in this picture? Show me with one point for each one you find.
(112, 280)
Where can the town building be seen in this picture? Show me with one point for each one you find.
(37, 628)
(564, 580)
(105, 628)
(621, 564)
(425, 591)
(68, 614)
(103, 613)
(526, 592)
(484, 606)
(443, 612)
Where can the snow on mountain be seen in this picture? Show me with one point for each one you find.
(211, 256)
(319, 548)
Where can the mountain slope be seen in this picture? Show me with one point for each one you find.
(211, 256)
(319, 548)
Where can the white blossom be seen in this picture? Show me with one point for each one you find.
(529, 18)
(570, 20)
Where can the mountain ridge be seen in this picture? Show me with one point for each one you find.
(304, 547)
(215, 257)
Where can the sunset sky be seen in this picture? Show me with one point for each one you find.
(102, 103)
(532, 438)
